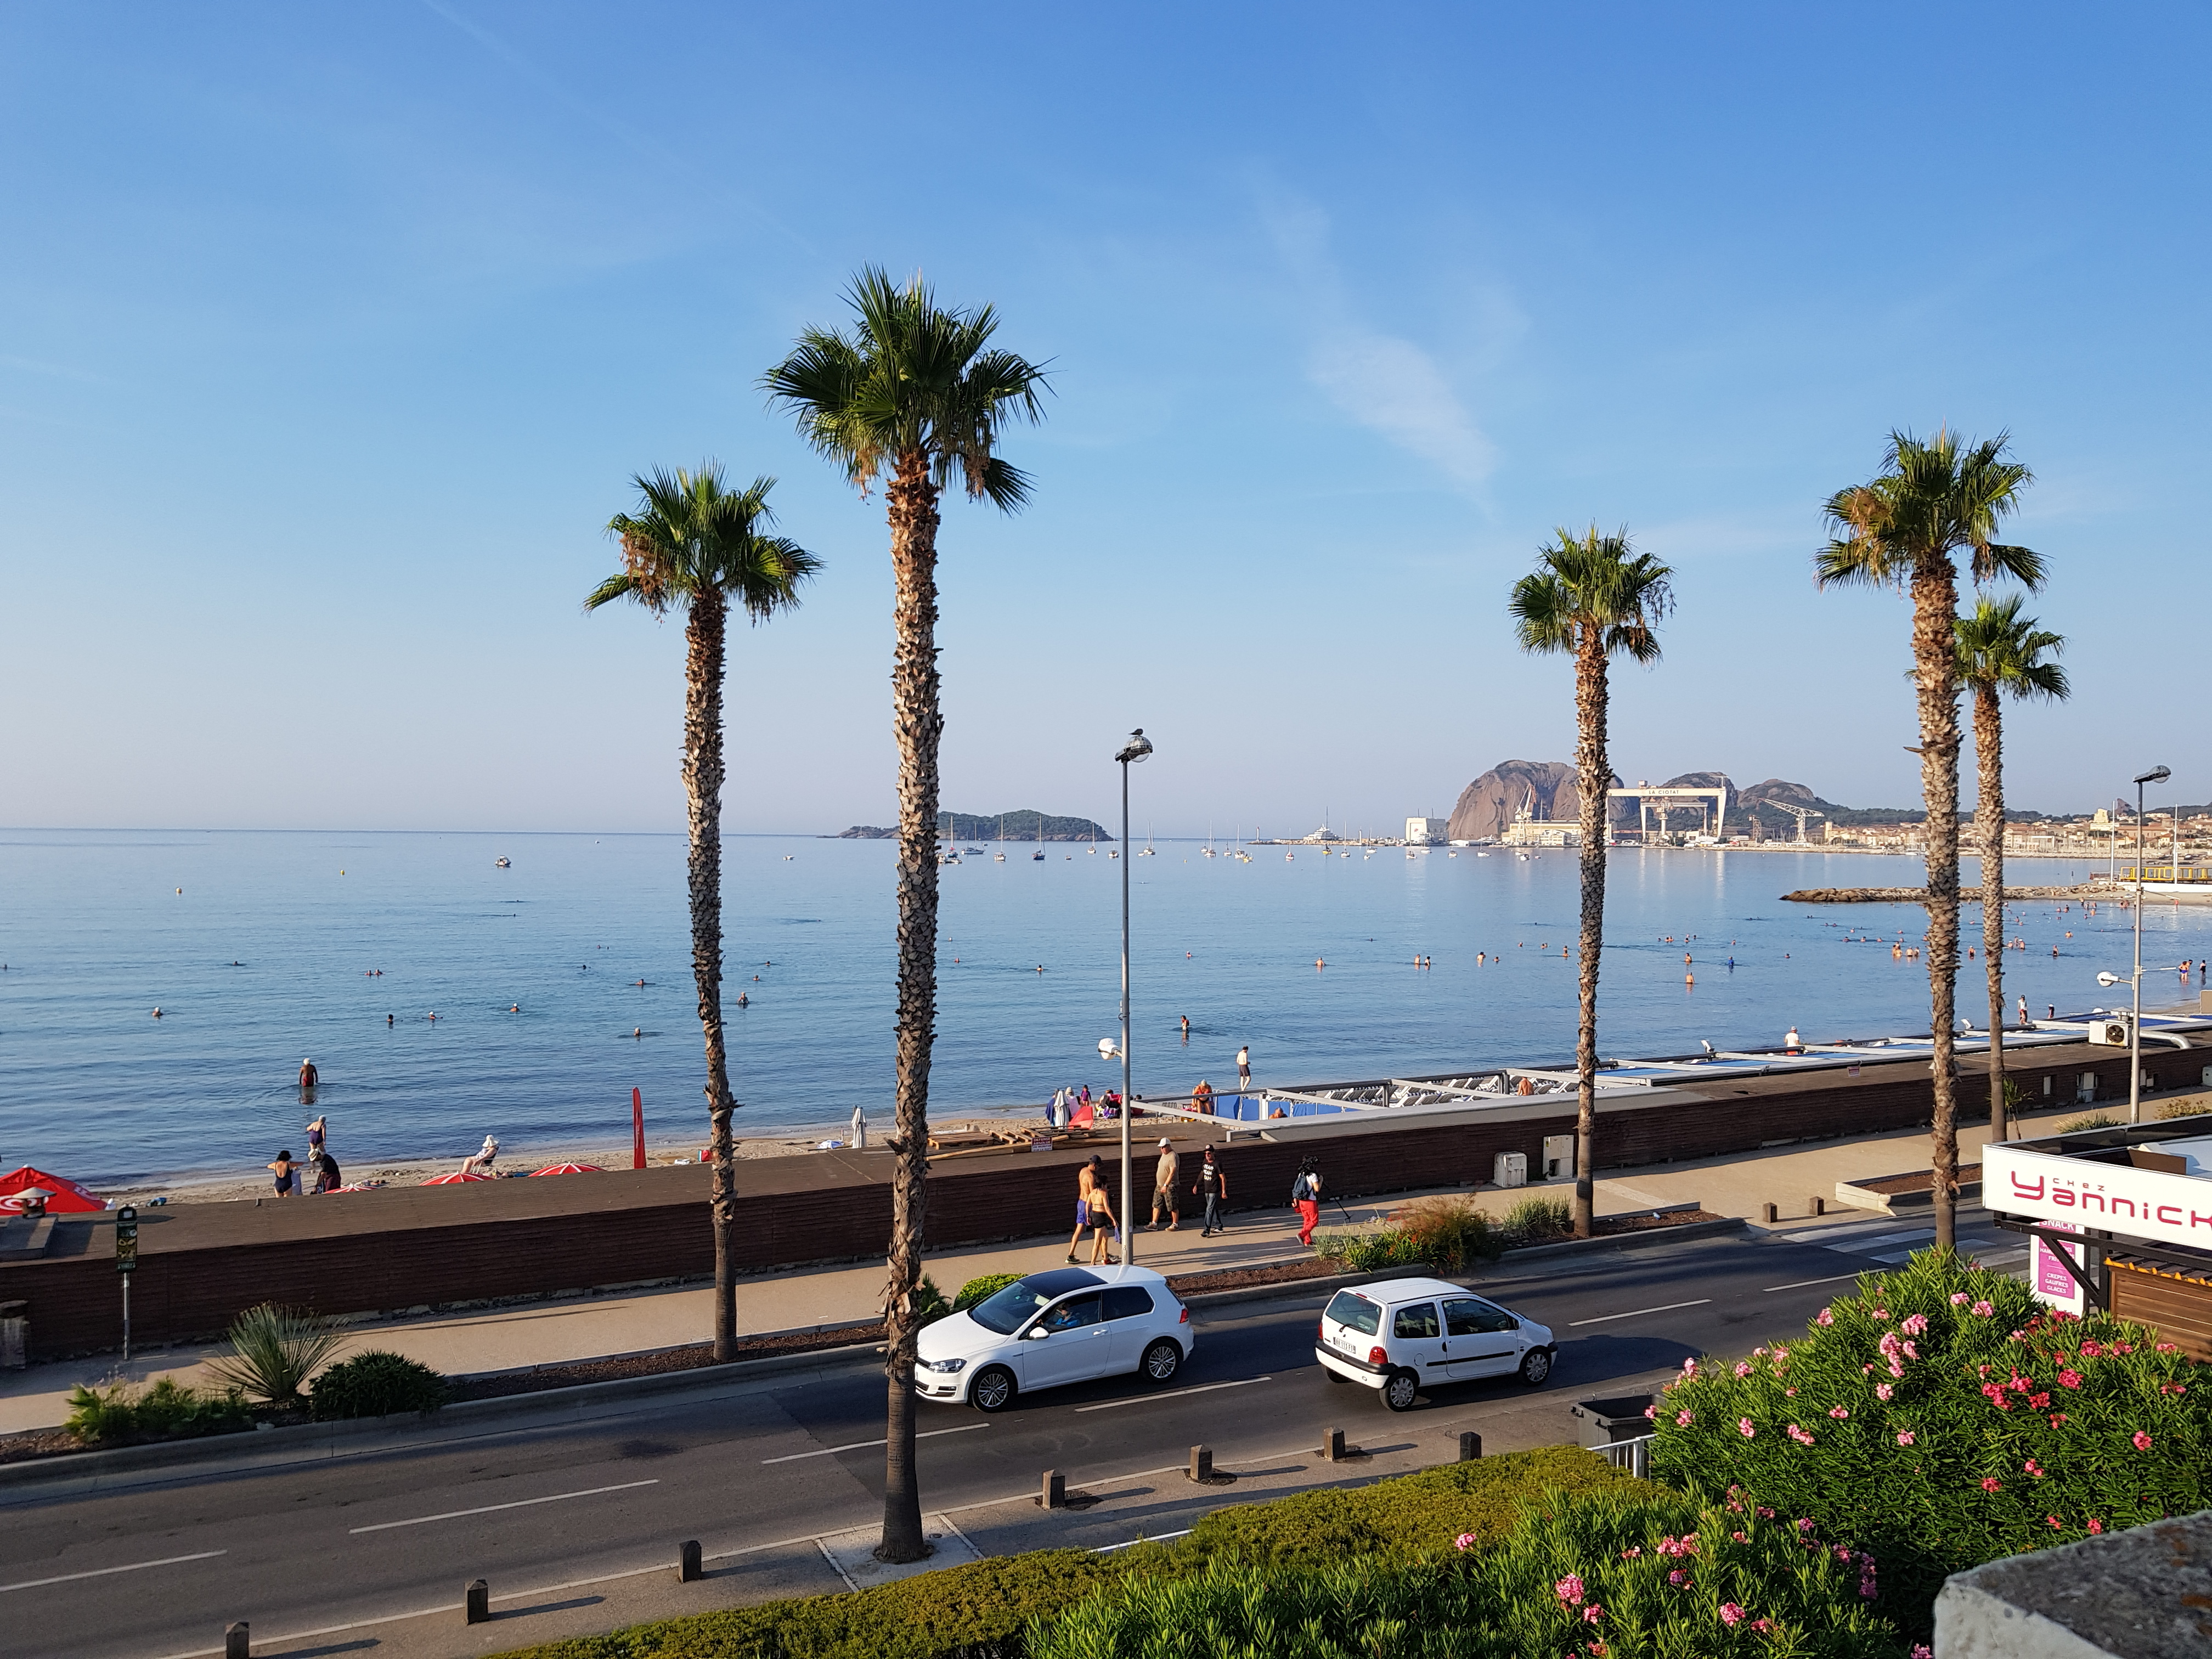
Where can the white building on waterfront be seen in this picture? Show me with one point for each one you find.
(1427, 832)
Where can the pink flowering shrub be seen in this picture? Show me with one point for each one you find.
(1938, 1447)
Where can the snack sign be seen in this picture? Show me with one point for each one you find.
(2150, 1204)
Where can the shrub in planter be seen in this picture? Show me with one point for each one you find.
(273, 1351)
(1534, 1220)
(375, 1383)
(1942, 1418)
(1614, 1576)
(166, 1410)
(1450, 1232)
(977, 1288)
(1368, 1253)
(929, 1303)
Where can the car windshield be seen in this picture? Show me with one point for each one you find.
(1356, 1312)
(1007, 1310)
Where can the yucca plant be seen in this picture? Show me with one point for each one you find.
(273, 1351)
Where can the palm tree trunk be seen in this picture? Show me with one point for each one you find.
(1935, 654)
(705, 633)
(1592, 774)
(1989, 790)
(919, 724)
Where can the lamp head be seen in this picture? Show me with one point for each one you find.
(2156, 775)
(1136, 749)
(2108, 979)
(1106, 1049)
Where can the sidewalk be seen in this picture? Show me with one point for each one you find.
(591, 1327)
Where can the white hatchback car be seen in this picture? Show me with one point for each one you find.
(1066, 1325)
(1401, 1335)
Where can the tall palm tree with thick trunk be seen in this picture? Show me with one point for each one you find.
(1592, 598)
(2001, 654)
(697, 546)
(913, 394)
(1934, 498)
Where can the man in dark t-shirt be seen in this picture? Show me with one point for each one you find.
(1212, 1187)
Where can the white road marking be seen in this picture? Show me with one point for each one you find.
(1172, 1394)
(862, 1445)
(102, 1572)
(1836, 1278)
(1108, 1549)
(1634, 1313)
(487, 1509)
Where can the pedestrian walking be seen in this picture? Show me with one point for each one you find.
(318, 1140)
(1167, 1196)
(1244, 1066)
(1305, 1198)
(1092, 1211)
(1213, 1186)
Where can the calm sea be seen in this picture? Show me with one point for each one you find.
(261, 948)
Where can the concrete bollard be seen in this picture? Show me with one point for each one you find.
(1773, 1213)
(1470, 1446)
(1053, 1493)
(238, 1641)
(688, 1568)
(1201, 1463)
(1819, 1205)
(477, 1608)
(1332, 1450)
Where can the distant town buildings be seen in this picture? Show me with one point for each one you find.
(1427, 832)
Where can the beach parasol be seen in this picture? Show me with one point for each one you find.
(568, 1169)
(455, 1179)
(61, 1196)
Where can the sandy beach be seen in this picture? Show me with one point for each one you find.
(522, 1158)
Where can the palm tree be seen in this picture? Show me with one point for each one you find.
(2001, 652)
(694, 546)
(913, 394)
(1592, 598)
(1932, 499)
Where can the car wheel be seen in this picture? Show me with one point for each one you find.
(994, 1389)
(1535, 1365)
(1331, 1376)
(1161, 1363)
(1398, 1393)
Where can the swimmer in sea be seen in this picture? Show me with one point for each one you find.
(637, 982)
(638, 1032)
(514, 1008)
(157, 1011)
(387, 1019)
(744, 1001)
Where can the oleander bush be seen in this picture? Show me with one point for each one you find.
(166, 1410)
(375, 1383)
(1942, 1418)
(1409, 1516)
(1623, 1576)
(976, 1289)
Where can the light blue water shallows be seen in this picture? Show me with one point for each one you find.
(264, 957)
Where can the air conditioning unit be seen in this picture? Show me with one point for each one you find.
(2109, 1031)
(1511, 1170)
(1558, 1157)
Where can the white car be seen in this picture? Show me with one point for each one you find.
(1066, 1325)
(1401, 1335)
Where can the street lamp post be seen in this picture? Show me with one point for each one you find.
(1135, 749)
(2156, 775)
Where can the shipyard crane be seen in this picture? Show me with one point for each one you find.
(1802, 814)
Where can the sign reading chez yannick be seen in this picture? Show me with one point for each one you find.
(2149, 1204)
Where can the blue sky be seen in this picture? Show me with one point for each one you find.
(332, 335)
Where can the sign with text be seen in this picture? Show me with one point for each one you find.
(126, 1238)
(2047, 1277)
(2150, 1204)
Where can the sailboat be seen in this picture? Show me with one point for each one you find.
(1039, 855)
(1209, 842)
(1147, 853)
(1000, 856)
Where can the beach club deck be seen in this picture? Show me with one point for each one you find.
(405, 1249)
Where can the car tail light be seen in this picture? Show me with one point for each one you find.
(1183, 1315)
(1320, 1331)
(1378, 1357)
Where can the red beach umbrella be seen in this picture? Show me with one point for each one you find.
(63, 1195)
(455, 1179)
(568, 1169)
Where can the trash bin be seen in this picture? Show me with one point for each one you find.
(15, 1335)
(1607, 1422)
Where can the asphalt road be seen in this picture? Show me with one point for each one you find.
(160, 1569)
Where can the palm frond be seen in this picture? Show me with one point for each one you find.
(1592, 584)
(694, 534)
(1935, 497)
(2001, 649)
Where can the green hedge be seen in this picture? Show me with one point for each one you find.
(1413, 1515)
(979, 1611)
(1625, 1574)
(375, 1383)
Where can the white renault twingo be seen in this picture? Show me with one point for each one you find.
(1066, 1325)
(1401, 1335)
